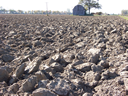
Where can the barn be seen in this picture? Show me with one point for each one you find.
(79, 10)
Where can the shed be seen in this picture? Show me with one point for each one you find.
(79, 10)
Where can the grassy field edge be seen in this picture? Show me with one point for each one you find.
(125, 17)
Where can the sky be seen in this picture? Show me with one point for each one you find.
(108, 6)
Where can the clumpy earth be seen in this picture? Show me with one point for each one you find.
(63, 55)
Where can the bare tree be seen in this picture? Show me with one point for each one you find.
(89, 4)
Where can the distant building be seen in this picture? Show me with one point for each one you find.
(79, 10)
(1, 11)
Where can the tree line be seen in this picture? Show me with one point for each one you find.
(4, 11)
(124, 12)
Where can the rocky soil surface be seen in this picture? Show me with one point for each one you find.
(63, 55)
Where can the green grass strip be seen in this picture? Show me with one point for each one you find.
(125, 17)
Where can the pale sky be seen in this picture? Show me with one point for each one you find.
(108, 6)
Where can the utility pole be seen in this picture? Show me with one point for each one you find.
(47, 8)
(1, 8)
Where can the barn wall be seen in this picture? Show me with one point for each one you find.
(79, 10)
